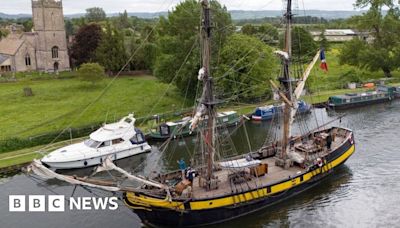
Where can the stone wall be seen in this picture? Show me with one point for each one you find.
(19, 58)
(48, 21)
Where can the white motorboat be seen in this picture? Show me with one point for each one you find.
(116, 140)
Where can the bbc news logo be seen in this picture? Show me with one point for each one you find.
(58, 203)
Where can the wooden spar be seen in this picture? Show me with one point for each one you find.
(282, 95)
(104, 183)
(288, 34)
(208, 96)
(300, 86)
(287, 84)
(302, 83)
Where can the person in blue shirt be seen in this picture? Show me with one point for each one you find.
(182, 167)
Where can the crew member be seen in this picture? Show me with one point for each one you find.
(190, 175)
(329, 141)
(182, 167)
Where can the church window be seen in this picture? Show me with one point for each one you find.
(54, 52)
(5, 68)
(27, 60)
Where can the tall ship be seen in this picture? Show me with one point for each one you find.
(216, 189)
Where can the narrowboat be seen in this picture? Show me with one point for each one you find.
(351, 100)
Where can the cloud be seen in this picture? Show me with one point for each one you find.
(112, 6)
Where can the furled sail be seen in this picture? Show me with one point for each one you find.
(36, 167)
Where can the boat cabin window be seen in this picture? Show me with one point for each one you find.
(105, 144)
(128, 120)
(117, 141)
(92, 143)
(164, 130)
(137, 139)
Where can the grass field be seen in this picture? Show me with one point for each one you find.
(58, 103)
(339, 75)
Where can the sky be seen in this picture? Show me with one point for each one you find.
(113, 6)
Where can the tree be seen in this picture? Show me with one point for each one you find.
(69, 27)
(111, 52)
(178, 43)
(303, 45)
(95, 14)
(350, 52)
(268, 34)
(253, 65)
(28, 25)
(323, 42)
(123, 20)
(249, 29)
(3, 33)
(144, 54)
(85, 44)
(91, 72)
(383, 52)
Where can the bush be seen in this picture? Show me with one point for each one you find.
(349, 77)
(91, 72)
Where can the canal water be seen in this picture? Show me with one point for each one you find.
(365, 192)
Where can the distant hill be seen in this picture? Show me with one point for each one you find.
(244, 14)
(236, 14)
(14, 16)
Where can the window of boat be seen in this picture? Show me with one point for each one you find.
(137, 139)
(105, 144)
(117, 141)
(92, 143)
(164, 130)
(140, 138)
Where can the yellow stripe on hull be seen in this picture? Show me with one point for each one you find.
(146, 201)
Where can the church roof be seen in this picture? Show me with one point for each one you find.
(3, 58)
(10, 46)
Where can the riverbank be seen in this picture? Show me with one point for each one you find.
(24, 156)
(15, 160)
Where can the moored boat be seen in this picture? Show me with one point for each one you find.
(270, 111)
(244, 185)
(181, 128)
(351, 100)
(116, 140)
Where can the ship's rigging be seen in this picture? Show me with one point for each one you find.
(236, 185)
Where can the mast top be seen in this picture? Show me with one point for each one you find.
(288, 20)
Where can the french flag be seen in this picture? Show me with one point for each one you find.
(324, 65)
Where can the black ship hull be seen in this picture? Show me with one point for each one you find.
(165, 217)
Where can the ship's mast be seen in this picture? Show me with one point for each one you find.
(286, 83)
(207, 99)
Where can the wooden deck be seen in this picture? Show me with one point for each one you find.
(275, 173)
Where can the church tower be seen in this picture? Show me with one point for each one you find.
(51, 41)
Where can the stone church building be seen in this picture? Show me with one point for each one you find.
(43, 49)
